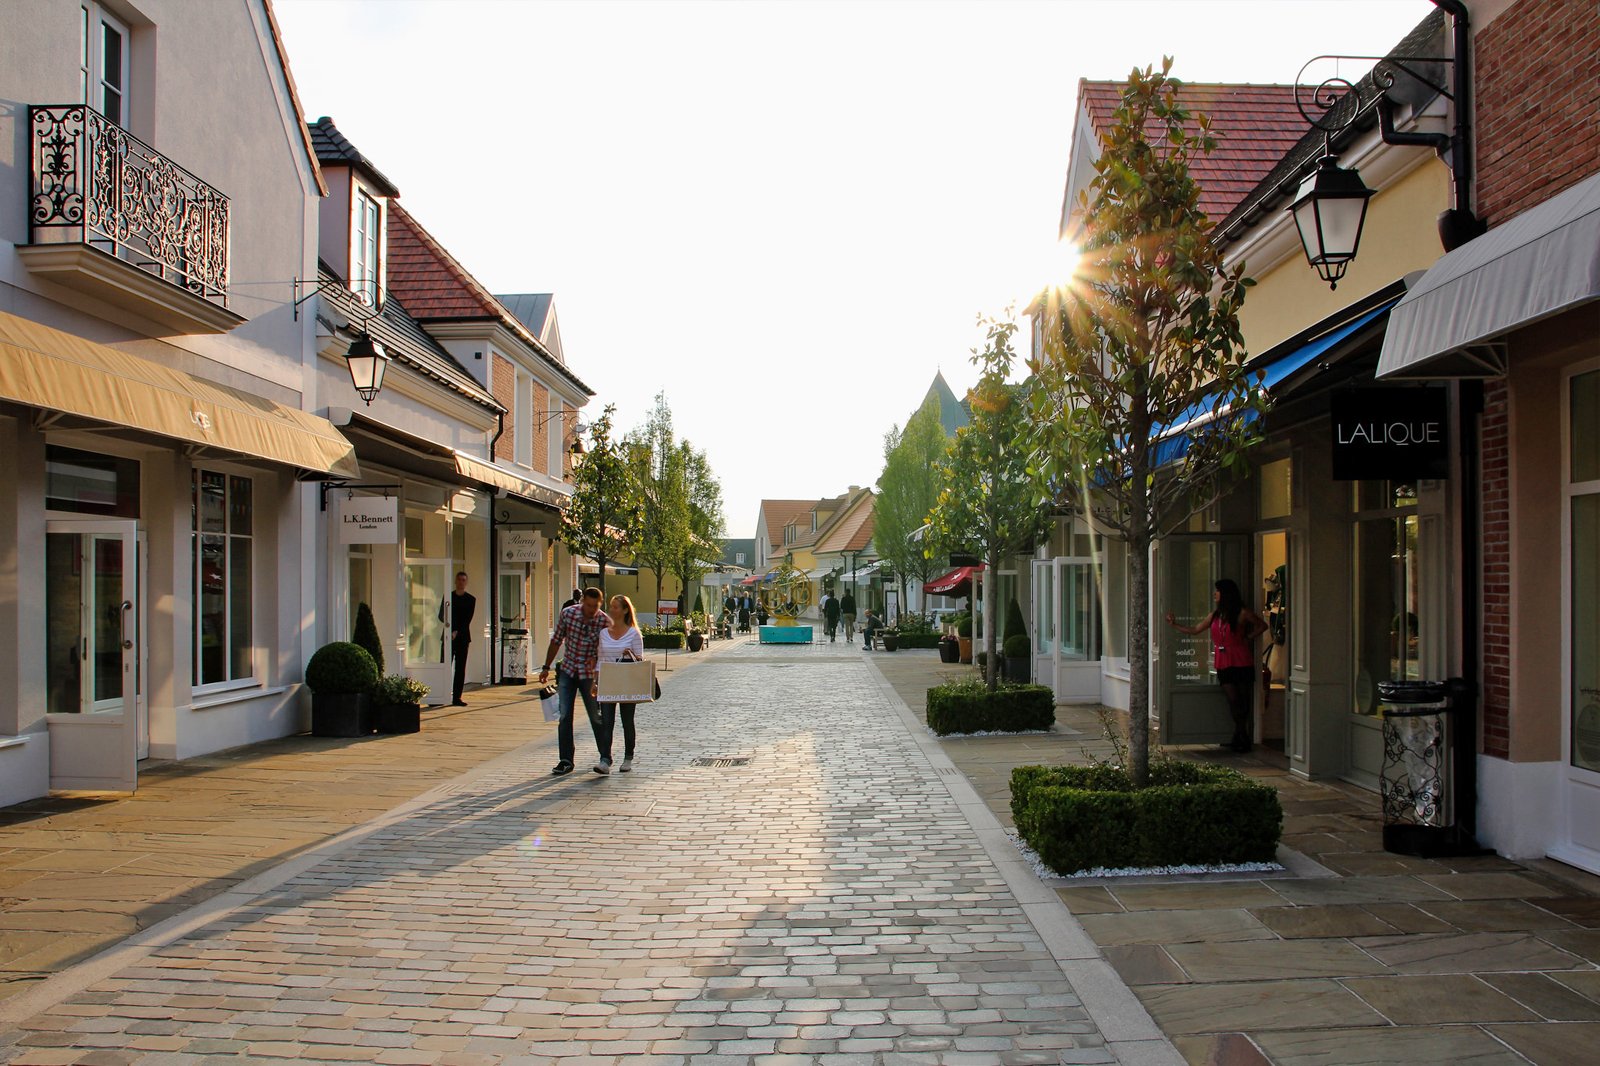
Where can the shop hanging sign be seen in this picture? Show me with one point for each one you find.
(1395, 434)
(521, 546)
(369, 520)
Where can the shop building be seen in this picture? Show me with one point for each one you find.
(156, 576)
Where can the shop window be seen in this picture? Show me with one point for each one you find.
(1114, 597)
(1044, 636)
(86, 483)
(360, 578)
(223, 518)
(366, 272)
(1584, 513)
(1273, 489)
(1387, 572)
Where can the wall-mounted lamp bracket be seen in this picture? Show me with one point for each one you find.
(350, 486)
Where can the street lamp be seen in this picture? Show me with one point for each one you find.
(1329, 213)
(367, 361)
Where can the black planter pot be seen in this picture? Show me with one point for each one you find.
(399, 718)
(696, 640)
(891, 643)
(1017, 670)
(949, 651)
(340, 714)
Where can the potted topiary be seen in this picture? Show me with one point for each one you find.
(964, 636)
(399, 704)
(949, 649)
(341, 677)
(1017, 651)
(891, 639)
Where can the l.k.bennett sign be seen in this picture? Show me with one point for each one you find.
(1399, 434)
(369, 520)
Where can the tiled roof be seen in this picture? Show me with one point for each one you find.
(401, 337)
(838, 508)
(435, 287)
(536, 310)
(333, 149)
(1254, 126)
(953, 413)
(731, 547)
(780, 513)
(853, 531)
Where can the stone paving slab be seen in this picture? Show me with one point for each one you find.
(830, 901)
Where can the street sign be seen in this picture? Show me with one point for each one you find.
(666, 607)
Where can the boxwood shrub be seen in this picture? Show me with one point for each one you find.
(1083, 817)
(969, 707)
(341, 668)
(659, 639)
(918, 640)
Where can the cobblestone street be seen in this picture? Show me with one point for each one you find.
(836, 898)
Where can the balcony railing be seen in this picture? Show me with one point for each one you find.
(95, 183)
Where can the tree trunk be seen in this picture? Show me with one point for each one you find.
(1139, 661)
(991, 665)
(600, 578)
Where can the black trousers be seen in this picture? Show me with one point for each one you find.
(458, 650)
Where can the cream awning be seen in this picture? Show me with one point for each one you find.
(57, 371)
(507, 481)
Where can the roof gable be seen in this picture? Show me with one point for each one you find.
(333, 148)
(778, 514)
(953, 414)
(853, 530)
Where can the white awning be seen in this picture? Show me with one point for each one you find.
(863, 573)
(819, 573)
(1542, 262)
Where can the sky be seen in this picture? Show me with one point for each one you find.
(786, 216)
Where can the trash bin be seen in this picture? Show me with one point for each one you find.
(1416, 781)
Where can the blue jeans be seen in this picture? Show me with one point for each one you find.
(567, 690)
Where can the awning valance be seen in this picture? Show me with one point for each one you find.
(506, 481)
(955, 583)
(62, 372)
(863, 573)
(1542, 262)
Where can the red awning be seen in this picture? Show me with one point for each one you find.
(955, 583)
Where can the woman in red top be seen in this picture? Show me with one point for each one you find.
(1234, 629)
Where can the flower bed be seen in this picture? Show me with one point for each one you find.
(1082, 817)
(969, 707)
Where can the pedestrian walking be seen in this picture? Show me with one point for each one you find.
(1234, 629)
(830, 616)
(620, 642)
(847, 614)
(579, 627)
(463, 605)
(744, 619)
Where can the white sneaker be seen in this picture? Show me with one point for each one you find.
(603, 766)
(627, 765)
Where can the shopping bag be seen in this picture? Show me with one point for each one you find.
(627, 682)
(550, 703)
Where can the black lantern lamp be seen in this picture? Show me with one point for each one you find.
(367, 361)
(1329, 212)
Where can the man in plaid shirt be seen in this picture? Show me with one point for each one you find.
(579, 626)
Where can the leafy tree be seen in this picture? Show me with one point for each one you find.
(707, 525)
(656, 463)
(908, 489)
(605, 509)
(366, 635)
(1146, 340)
(987, 500)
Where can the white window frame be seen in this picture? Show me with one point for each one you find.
(365, 274)
(94, 20)
(229, 537)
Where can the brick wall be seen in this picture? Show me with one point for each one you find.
(503, 387)
(1495, 460)
(1538, 104)
(541, 433)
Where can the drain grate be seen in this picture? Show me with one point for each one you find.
(721, 763)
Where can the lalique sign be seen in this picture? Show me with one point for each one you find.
(369, 520)
(1395, 434)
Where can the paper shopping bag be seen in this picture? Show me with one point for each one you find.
(627, 682)
(550, 703)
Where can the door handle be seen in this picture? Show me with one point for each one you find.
(127, 644)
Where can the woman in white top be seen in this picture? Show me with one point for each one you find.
(619, 642)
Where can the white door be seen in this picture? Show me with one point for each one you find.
(1070, 634)
(427, 599)
(1579, 842)
(94, 654)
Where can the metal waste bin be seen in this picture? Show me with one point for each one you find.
(1417, 776)
(513, 656)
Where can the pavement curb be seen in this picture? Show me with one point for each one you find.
(1131, 1034)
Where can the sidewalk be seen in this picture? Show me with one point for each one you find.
(79, 875)
(794, 873)
(1386, 959)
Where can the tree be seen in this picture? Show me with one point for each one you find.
(657, 466)
(1145, 341)
(908, 489)
(707, 526)
(605, 509)
(988, 503)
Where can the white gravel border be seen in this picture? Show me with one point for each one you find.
(1046, 873)
(988, 733)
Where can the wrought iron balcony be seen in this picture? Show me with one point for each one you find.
(97, 185)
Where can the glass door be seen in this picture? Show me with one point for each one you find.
(94, 654)
(1579, 842)
(1068, 622)
(428, 625)
(1188, 705)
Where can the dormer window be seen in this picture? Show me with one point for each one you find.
(364, 273)
(103, 63)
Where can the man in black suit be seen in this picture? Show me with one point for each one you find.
(463, 605)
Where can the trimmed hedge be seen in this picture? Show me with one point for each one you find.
(918, 640)
(341, 667)
(969, 707)
(672, 640)
(1084, 817)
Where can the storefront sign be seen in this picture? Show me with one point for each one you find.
(521, 546)
(666, 607)
(369, 520)
(1397, 434)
